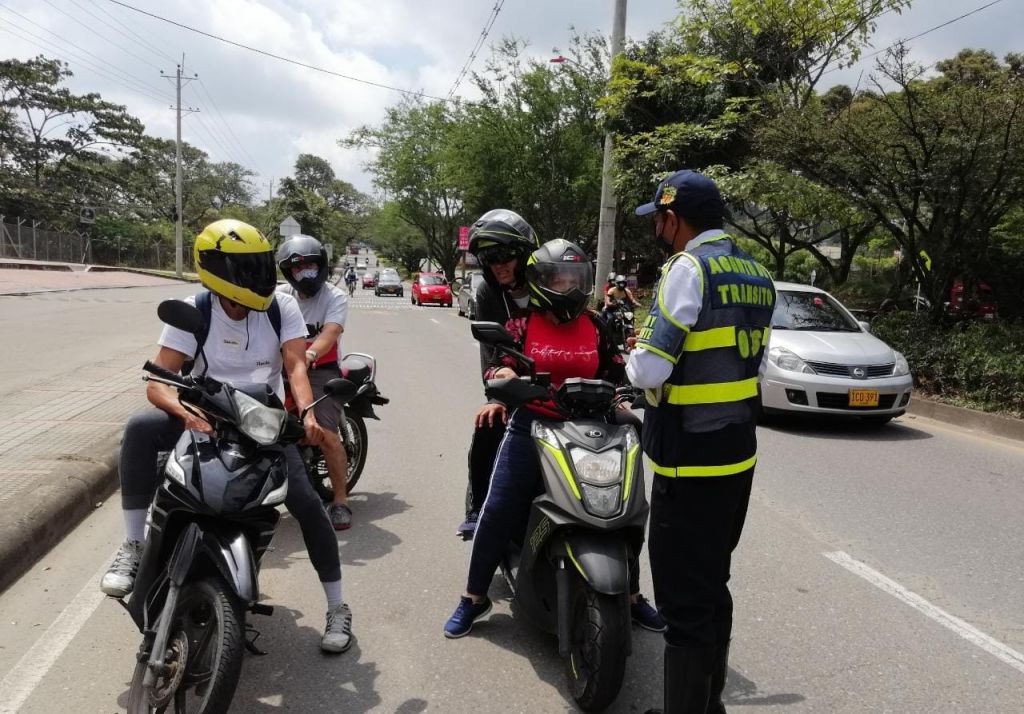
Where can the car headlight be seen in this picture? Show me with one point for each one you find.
(902, 366)
(260, 423)
(599, 469)
(784, 359)
(173, 470)
(601, 501)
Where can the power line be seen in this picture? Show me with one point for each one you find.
(48, 46)
(488, 24)
(98, 33)
(139, 39)
(407, 92)
(919, 35)
(227, 125)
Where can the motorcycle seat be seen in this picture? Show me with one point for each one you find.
(355, 370)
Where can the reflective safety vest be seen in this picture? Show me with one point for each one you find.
(704, 424)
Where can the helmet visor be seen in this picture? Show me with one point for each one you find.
(252, 271)
(564, 278)
(497, 254)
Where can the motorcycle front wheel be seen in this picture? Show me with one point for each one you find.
(203, 658)
(355, 448)
(597, 657)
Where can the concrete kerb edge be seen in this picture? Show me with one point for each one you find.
(30, 530)
(970, 419)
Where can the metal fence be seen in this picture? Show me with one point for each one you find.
(29, 240)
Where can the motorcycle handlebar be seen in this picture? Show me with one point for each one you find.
(161, 372)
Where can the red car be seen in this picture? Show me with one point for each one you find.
(431, 287)
(369, 279)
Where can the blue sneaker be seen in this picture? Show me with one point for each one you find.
(468, 612)
(646, 616)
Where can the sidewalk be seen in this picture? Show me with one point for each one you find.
(58, 454)
(31, 278)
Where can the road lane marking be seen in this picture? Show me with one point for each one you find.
(435, 321)
(21, 681)
(970, 633)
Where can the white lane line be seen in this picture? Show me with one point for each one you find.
(435, 321)
(970, 633)
(22, 680)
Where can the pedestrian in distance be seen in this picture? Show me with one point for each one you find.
(699, 357)
(253, 334)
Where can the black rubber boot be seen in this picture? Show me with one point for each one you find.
(719, 672)
(687, 680)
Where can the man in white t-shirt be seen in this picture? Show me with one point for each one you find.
(303, 262)
(236, 264)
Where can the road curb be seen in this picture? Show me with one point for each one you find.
(993, 424)
(29, 528)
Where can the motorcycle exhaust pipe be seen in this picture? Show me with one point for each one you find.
(563, 588)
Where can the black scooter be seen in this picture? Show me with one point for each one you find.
(570, 571)
(211, 521)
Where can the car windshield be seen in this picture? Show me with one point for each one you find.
(810, 311)
(432, 280)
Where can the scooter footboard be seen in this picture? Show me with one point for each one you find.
(601, 558)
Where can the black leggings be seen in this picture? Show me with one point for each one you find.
(154, 430)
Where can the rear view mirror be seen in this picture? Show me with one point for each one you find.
(864, 326)
(491, 333)
(178, 313)
(340, 389)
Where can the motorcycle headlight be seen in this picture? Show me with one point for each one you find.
(173, 470)
(260, 423)
(902, 366)
(784, 359)
(628, 315)
(599, 469)
(602, 501)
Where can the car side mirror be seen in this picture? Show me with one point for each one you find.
(492, 333)
(864, 326)
(178, 313)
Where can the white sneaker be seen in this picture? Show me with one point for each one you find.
(338, 633)
(120, 579)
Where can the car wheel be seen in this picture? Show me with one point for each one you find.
(401, 293)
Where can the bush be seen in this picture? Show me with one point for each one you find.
(978, 364)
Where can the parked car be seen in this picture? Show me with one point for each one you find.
(431, 287)
(370, 279)
(822, 361)
(978, 301)
(360, 263)
(467, 294)
(389, 283)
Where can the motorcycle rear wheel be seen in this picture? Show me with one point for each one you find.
(211, 620)
(597, 656)
(355, 448)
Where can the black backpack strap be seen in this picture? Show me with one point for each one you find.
(274, 313)
(204, 303)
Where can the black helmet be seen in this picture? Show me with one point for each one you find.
(499, 236)
(303, 249)
(560, 278)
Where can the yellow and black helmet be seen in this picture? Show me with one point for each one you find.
(235, 261)
(560, 278)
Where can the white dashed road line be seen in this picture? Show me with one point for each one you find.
(970, 633)
(23, 678)
(436, 322)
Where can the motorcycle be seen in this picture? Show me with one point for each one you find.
(569, 573)
(361, 370)
(211, 521)
(623, 325)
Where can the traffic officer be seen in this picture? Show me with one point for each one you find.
(698, 358)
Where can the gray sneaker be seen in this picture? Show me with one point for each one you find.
(341, 516)
(120, 579)
(338, 633)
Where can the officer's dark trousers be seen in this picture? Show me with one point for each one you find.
(695, 525)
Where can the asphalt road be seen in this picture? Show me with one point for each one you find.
(880, 570)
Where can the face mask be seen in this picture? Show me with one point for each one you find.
(303, 273)
(667, 247)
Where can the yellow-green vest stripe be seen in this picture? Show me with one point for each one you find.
(714, 393)
(699, 471)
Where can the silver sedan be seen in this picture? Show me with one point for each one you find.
(822, 361)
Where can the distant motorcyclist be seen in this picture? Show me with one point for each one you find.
(303, 262)
(566, 340)
(618, 292)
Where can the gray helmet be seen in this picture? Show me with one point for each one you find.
(303, 249)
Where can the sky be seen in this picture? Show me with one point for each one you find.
(261, 112)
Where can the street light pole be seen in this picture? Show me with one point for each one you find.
(606, 224)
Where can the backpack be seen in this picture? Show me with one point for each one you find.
(204, 303)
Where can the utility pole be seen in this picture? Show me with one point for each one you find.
(178, 222)
(606, 225)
